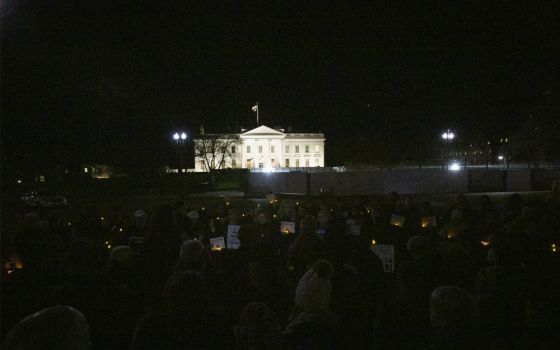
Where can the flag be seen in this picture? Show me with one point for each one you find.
(255, 108)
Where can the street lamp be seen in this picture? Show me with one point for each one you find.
(448, 136)
(180, 137)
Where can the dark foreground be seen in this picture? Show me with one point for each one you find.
(359, 273)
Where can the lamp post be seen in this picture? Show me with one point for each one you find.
(180, 138)
(448, 136)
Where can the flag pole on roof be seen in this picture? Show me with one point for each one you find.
(256, 109)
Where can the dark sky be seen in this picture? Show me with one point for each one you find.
(107, 81)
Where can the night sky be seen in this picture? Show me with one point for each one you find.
(108, 81)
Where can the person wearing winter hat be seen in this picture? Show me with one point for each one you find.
(313, 293)
(315, 326)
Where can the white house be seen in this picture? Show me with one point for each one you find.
(262, 147)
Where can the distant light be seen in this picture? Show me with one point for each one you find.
(455, 167)
(18, 181)
(373, 242)
(500, 157)
(183, 136)
(447, 135)
(175, 136)
(86, 170)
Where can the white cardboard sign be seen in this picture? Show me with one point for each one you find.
(217, 243)
(232, 241)
(287, 227)
(386, 253)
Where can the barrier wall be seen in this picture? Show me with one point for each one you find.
(406, 181)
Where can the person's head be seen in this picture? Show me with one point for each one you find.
(323, 218)
(286, 209)
(247, 236)
(233, 216)
(262, 217)
(451, 307)
(57, 327)
(140, 219)
(301, 211)
(163, 221)
(308, 225)
(313, 292)
(193, 255)
(185, 291)
(121, 255)
(193, 215)
(418, 246)
(258, 328)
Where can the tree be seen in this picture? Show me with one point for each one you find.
(216, 151)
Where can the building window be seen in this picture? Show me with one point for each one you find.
(287, 149)
(297, 148)
(307, 163)
(202, 165)
(273, 163)
(248, 149)
(233, 149)
(287, 163)
(260, 148)
(316, 148)
(261, 165)
(306, 148)
(272, 149)
(297, 162)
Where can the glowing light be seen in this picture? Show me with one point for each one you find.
(485, 243)
(102, 218)
(108, 246)
(183, 136)
(501, 157)
(227, 203)
(243, 214)
(553, 247)
(203, 208)
(455, 167)
(18, 181)
(274, 216)
(120, 229)
(297, 203)
(373, 242)
(175, 136)
(86, 170)
(107, 242)
(69, 224)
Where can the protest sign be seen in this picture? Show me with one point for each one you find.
(397, 220)
(287, 227)
(429, 221)
(353, 226)
(217, 243)
(232, 241)
(386, 253)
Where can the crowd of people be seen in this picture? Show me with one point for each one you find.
(313, 273)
